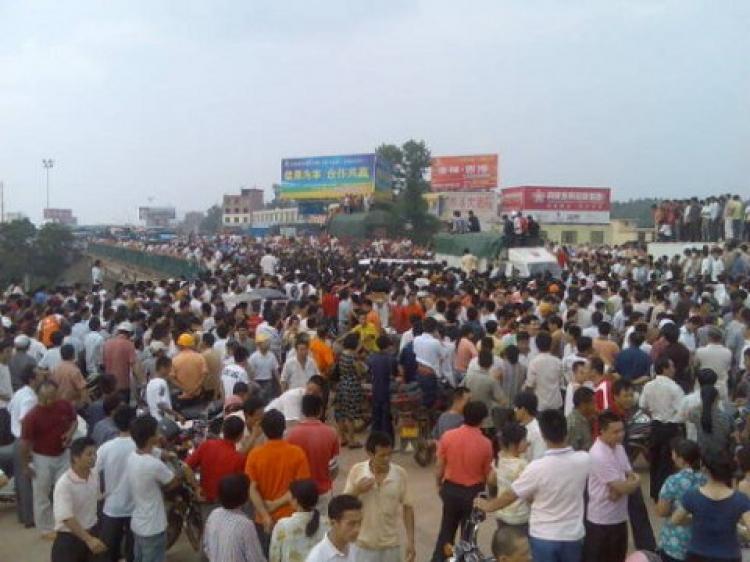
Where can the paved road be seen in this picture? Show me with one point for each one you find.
(24, 545)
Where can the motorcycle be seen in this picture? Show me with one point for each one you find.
(182, 503)
(466, 548)
(638, 435)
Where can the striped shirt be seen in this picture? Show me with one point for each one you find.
(229, 536)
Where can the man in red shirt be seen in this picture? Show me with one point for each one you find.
(464, 460)
(214, 459)
(118, 356)
(330, 305)
(45, 436)
(321, 445)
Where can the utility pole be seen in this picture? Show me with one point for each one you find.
(47, 163)
(2, 203)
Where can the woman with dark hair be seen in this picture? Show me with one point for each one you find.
(674, 539)
(713, 423)
(293, 537)
(349, 394)
(716, 509)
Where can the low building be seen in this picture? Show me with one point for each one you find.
(616, 232)
(237, 210)
(272, 217)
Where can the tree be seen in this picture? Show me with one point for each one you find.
(53, 251)
(42, 254)
(211, 223)
(16, 248)
(409, 213)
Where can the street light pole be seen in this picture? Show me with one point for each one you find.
(48, 163)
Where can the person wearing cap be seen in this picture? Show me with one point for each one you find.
(118, 357)
(20, 360)
(189, 368)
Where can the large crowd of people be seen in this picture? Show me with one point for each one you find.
(723, 217)
(538, 389)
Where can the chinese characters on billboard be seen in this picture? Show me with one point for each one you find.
(333, 177)
(464, 173)
(566, 205)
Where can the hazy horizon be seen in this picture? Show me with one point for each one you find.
(178, 103)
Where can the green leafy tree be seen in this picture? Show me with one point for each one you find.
(41, 254)
(211, 223)
(16, 249)
(53, 251)
(409, 212)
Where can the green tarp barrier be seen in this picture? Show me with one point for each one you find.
(358, 225)
(481, 244)
(167, 265)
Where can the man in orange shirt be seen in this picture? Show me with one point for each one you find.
(272, 467)
(321, 351)
(414, 308)
(464, 460)
(189, 368)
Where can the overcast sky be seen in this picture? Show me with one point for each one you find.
(176, 103)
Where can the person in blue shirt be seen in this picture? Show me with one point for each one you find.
(632, 363)
(716, 509)
(383, 369)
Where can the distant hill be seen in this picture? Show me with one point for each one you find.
(638, 209)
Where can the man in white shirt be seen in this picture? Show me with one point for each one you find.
(111, 463)
(97, 273)
(52, 358)
(264, 368)
(717, 357)
(6, 386)
(93, 344)
(74, 500)
(661, 399)
(147, 477)
(23, 400)
(158, 398)
(427, 347)
(268, 263)
(299, 368)
(345, 516)
(525, 410)
(290, 402)
(554, 487)
(544, 375)
(235, 372)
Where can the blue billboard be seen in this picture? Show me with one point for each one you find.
(332, 177)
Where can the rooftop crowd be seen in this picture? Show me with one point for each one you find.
(539, 384)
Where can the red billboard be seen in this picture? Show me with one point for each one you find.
(464, 173)
(566, 205)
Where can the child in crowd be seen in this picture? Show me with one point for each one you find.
(510, 464)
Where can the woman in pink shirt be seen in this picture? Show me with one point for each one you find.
(465, 350)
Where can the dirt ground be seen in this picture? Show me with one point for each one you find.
(25, 545)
